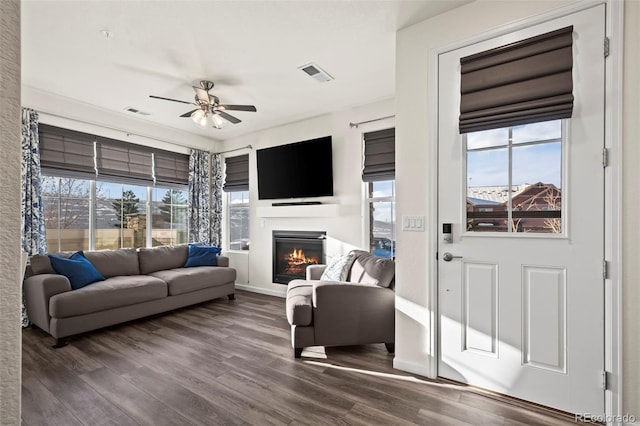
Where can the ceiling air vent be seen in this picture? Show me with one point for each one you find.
(316, 73)
(136, 111)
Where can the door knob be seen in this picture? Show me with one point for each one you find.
(447, 257)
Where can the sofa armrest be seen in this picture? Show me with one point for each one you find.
(223, 261)
(350, 314)
(314, 272)
(38, 289)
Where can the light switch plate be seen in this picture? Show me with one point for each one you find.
(413, 223)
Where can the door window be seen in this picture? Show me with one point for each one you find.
(514, 179)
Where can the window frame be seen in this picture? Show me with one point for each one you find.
(565, 138)
(229, 206)
(369, 201)
(92, 203)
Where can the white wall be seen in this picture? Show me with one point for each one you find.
(70, 114)
(631, 211)
(414, 124)
(344, 230)
(10, 289)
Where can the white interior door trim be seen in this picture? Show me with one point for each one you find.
(613, 186)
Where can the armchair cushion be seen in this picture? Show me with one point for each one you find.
(299, 309)
(336, 269)
(369, 269)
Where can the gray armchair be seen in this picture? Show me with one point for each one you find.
(359, 310)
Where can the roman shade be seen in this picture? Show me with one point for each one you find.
(124, 162)
(171, 168)
(379, 155)
(236, 173)
(66, 153)
(73, 154)
(523, 82)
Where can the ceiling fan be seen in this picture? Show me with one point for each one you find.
(209, 109)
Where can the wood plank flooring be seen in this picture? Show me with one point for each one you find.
(230, 362)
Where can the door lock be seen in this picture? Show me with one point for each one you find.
(447, 257)
(447, 236)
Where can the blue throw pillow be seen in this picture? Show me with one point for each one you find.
(202, 256)
(77, 268)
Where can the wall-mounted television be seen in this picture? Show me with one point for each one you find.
(296, 170)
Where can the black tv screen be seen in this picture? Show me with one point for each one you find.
(297, 170)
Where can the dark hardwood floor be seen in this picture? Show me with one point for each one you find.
(230, 362)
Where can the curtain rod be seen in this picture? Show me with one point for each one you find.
(234, 149)
(126, 132)
(370, 121)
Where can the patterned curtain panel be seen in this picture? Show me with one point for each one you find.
(200, 230)
(34, 238)
(216, 199)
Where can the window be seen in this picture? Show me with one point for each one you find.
(378, 172)
(169, 217)
(236, 185)
(238, 206)
(102, 193)
(514, 179)
(381, 199)
(119, 212)
(66, 204)
(121, 216)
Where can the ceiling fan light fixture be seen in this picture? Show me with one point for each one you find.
(217, 121)
(198, 115)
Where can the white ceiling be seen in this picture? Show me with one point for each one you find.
(250, 49)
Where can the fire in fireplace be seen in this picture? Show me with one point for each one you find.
(293, 251)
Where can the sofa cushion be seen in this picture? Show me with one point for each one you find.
(77, 269)
(299, 305)
(185, 280)
(111, 293)
(370, 269)
(161, 258)
(111, 263)
(40, 263)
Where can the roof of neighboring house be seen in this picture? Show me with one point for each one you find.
(480, 201)
(497, 194)
(538, 193)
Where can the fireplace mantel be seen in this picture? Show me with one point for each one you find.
(318, 210)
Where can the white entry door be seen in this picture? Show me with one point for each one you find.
(520, 289)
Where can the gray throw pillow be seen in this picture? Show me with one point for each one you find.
(334, 269)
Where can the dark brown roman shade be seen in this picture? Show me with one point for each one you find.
(171, 168)
(379, 155)
(68, 153)
(124, 162)
(523, 82)
(236, 173)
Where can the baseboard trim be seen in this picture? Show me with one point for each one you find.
(261, 290)
(410, 367)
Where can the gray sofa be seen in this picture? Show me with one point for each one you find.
(138, 283)
(359, 308)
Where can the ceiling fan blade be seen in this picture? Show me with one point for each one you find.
(172, 100)
(202, 95)
(228, 117)
(249, 108)
(188, 114)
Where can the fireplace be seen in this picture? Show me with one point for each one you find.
(293, 251)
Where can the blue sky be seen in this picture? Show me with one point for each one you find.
(531, 163)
